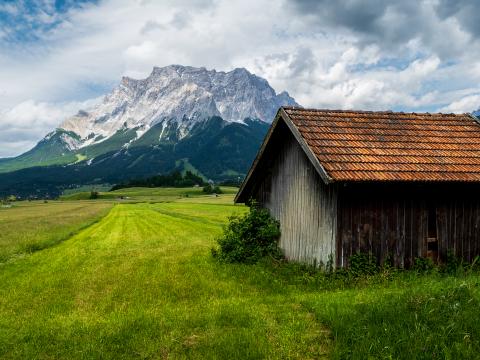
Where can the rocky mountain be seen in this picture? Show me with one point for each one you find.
(179, 117)
(183, 94)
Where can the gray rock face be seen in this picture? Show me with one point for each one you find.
(181, 93)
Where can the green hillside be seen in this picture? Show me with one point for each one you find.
(214, 149)
(49, 151)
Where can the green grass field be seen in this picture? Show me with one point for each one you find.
(151, 194)
(87, 189)
(32, 226)
(139, 283)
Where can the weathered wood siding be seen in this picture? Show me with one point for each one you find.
(392, 220)
(458, 221)
(306, 208)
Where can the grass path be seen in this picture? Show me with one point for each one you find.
(140, 284)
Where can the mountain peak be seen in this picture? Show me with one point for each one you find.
(241, 70)
(184, 94)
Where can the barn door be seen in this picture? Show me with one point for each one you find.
(432, 237)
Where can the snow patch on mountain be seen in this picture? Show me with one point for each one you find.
(70, 142)
(177, 93)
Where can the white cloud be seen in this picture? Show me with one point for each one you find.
(407, 58)
(9, 8)
(23, 125)
(146, 51)
(466, 104)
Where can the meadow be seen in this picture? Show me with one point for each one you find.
(136, 194)
(139, 282)
(32, 226)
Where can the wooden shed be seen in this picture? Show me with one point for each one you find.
(394, 184)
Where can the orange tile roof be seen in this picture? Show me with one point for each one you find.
(391, 146)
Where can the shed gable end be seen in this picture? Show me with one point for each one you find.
(306, 207)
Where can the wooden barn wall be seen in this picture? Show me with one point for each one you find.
(295, 195)
(392, 220)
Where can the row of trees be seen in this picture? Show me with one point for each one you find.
(174, 179)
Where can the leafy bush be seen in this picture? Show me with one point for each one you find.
(93, 194)
(174, 179)
(248, 238)
(423, 265)
(453, 264)
(210, 189)
(362, 264)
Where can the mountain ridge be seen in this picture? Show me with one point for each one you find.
(175, 96)
(175, 118)
(183, 93)
(219, 151)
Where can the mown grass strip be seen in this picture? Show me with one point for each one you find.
(32, 227)
(188, 217)
(141, 284)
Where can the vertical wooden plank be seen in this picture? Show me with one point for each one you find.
(351, 231)
(416, 225)
(455, 223)
(304, 205)
(383, 228)
(462, 228)
(424, 234)
(408, 234)
(451, 228)
(400, 235)
(477, 229)
(476, 237)
(392, 240)
(467, 230)
(442, 230)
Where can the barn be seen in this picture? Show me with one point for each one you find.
(396, 185)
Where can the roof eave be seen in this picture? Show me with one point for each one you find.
(238, 197)
(327, 179)
(281, 114)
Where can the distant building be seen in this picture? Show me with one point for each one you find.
(398, 185)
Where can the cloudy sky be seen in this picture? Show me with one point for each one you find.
(59, 56)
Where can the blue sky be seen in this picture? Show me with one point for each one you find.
(57, 57)
(26, 21)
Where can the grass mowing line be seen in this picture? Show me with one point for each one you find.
(31, 247)
(156, 220)
(198, 216)
(188, 217)
(28, 211)
(216, 214)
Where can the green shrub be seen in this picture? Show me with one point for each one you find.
(362, 264)
(453, 264)
(174, 179)
(423, 265)
(210, 189)
(248, 238)
(93, 194)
